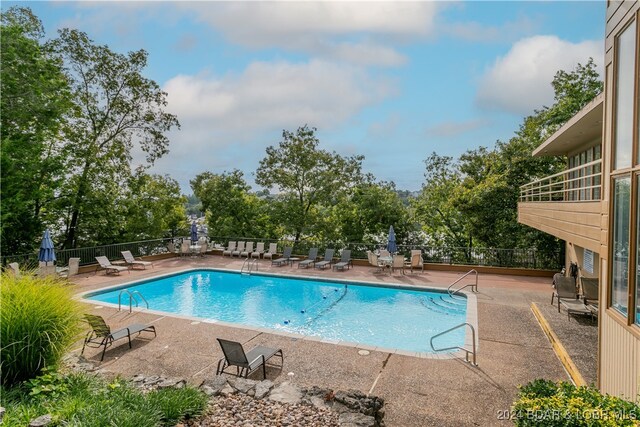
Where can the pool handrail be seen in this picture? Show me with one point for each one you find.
(132, 297)
(473, 340)
(474, 287)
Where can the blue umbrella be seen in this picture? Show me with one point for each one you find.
(194, 232)
(391, 243)
(47, 253)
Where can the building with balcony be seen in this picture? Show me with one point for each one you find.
(594, 204)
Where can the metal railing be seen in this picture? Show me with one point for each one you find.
(491, 257)
(249, 264)
(474, 286)
(581, 183)
(467, 351)
(132, 297)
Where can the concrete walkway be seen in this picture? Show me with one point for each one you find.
(418, 392)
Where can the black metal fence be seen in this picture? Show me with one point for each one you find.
(493, 257)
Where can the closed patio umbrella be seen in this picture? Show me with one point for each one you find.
(194, 232)
(391, 243)
(47, 253)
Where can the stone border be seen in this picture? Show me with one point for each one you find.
(472, 311)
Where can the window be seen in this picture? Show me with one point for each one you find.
(625, 72)
(620, 244)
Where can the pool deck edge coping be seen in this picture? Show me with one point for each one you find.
(471, 318)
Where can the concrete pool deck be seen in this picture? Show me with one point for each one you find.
(418, 392)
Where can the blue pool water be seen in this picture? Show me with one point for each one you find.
(386, 317)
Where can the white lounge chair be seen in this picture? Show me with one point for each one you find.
(273, 250)
(109, 268)
(130, 260)
(248, 250)
(259, 250)
(230, 248)
(239, 249)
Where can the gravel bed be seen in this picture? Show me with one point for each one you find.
(238, 410)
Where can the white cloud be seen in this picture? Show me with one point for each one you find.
(228, 120)
(477, 32)
(355, 32)
(520, 81)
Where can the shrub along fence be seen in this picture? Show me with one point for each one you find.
(491, 257)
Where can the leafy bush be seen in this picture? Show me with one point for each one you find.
(545, 403)
(80, 399)
(39, 320)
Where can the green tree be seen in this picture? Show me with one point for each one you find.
(488, 198)
(434, 208)
(231, 210)
(34, 102)
(115, 108)
(307, 178)
(372, 207)
(154, 205)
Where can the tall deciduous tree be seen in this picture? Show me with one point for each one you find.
(115, 108)
(154, 206)
(231, 210)
(307, 178)
(34, 101)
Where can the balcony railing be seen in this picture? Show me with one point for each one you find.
(582, 183)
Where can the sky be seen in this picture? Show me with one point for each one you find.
(393, 81)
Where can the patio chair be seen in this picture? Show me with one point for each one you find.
(374, 261)
(203, 249)
(14, 269)
(416, 261)
(109, 268)
(74, 267)
(574, 306)
(273, 249)
(246, 363)
(239, 249)
(565, 290)
(384, 253)
(285, 257)
(398, 263)
(328, 259)
(311, 259)
(590, 290)
(259, 250)
(102, 335)
(231, 246)
(345, 260)
(248, 250)
(130, 260)
(185, 249)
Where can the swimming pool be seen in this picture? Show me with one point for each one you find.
(386, 317)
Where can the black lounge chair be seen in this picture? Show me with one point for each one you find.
(101, 334)
(328, 259)
(345, 260)
(285, 257)
(246, 363)
(311, 259)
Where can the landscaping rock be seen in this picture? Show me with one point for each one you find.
(286, 393)
(2, 411)
(213, 387)
(227, 390)
(41, 421)
(262, 389)
(355, 419)
(243, 385)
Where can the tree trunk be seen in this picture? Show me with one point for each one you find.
(70, 241)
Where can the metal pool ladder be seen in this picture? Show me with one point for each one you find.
(473, 340)
(132, 297)
(250, 264)
(474, 287)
